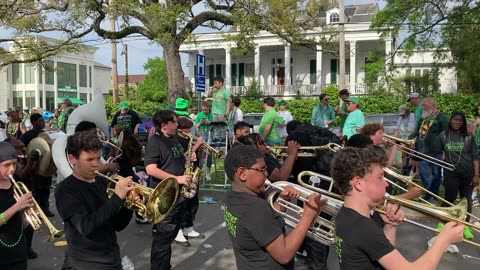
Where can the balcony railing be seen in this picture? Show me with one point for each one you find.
(305, 90)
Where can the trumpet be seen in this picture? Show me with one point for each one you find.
(152, 204)
(34, 215)
(205, 147)
(321, 230)
(304, 151)
(406, 146)
(453, 213)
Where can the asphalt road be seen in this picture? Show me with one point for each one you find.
(215, 251)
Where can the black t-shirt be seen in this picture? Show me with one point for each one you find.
(271, 163)
(11, 232)
(167, 153)
(252, 224)
(360, 241)
(127, 121)
(28, 136)
(91, 220)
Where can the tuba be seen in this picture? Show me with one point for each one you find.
(43, 145)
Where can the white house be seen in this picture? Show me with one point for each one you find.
(72, 75)
(282, 69)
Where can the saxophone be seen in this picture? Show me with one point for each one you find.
(189, 191)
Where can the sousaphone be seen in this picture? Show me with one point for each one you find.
(43, 145)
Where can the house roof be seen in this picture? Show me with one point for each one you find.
(98, 64)
(134, 78)
(357, 13)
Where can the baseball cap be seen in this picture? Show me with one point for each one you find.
(402, 109)
(353, 99)
(413, 95)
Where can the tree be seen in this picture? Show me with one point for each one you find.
(155, 86)
(172, 22)
(25, 19)
(438, 24)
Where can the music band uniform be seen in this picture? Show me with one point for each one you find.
(91, 220)
(168, 154)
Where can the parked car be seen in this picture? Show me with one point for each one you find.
(3, 119)
(254, 120)
(388, 120)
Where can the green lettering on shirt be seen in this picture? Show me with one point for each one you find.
(177, 151)
(338, 244)
(231, 222)
(454, 146)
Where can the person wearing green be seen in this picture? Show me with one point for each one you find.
(416, 102)
(202, 122)
(268, 124)
(65, 110)
(355, 118)
(220, 100)
(342, 110)
(323, 113)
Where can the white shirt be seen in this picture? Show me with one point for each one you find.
(406, 126)
(287, 116)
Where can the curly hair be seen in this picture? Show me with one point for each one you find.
(350, 162)
(371, 129)
(240, 156)
(83, 141)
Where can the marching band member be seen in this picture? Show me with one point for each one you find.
(91, 219)
(164, 158)
(13, 244)
(258, 232)
(360, 241)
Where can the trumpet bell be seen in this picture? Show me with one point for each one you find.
(162, 200)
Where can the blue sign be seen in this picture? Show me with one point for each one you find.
(200, 73)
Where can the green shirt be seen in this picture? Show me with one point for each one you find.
(204, 128)
(270, 117)
(418, 112)
(355, 120)
(477, 136)
(63, 118)
(219, 101)
(320, 114)
(343, 117)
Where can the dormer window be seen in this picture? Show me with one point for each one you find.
(334, 18)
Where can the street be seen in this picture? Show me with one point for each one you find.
(215, 252)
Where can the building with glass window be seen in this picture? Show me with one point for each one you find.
(282, 69)
(73, 75)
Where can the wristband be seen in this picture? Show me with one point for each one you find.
(2, 217)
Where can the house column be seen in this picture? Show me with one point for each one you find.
(44, 95)
(78, 79)
(228, 68)
(192, 61)
(388, 54)
(257, 64)
(36, 69)
(319, 55)
(288, 80)
(353, 64)
(55, 84)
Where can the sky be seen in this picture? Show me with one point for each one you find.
(140, 48)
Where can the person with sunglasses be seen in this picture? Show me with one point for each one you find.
(323, 113)
(256, 230)
(355, 119)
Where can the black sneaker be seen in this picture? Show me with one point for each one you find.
(32, 254)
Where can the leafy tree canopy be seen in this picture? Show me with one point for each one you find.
(155, 86)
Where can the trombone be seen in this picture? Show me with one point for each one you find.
(407, 146)
(304, 151)
(152, 204)
(321, 230)
(34, 215)
(453, 213)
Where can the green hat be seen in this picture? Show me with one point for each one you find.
(181, 106)
(282, 103)
(124, 105)
(353, 99)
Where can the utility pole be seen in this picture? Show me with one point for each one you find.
(341, 28)
(125, 51)
(114, 59)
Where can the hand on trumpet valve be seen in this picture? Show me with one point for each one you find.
(25, 201)
(292, 148)
(452, 232)
(314, 205)
(393, 214)
(123, 186)
(184, 179)
(289, 193)
(133, 196)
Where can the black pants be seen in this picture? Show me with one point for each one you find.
(163, 234)
(41, 190)
(189, 212)
(458, 182)
(22, 265)
(29, 235)
(317, 254)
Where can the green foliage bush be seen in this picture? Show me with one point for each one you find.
(141, 107)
